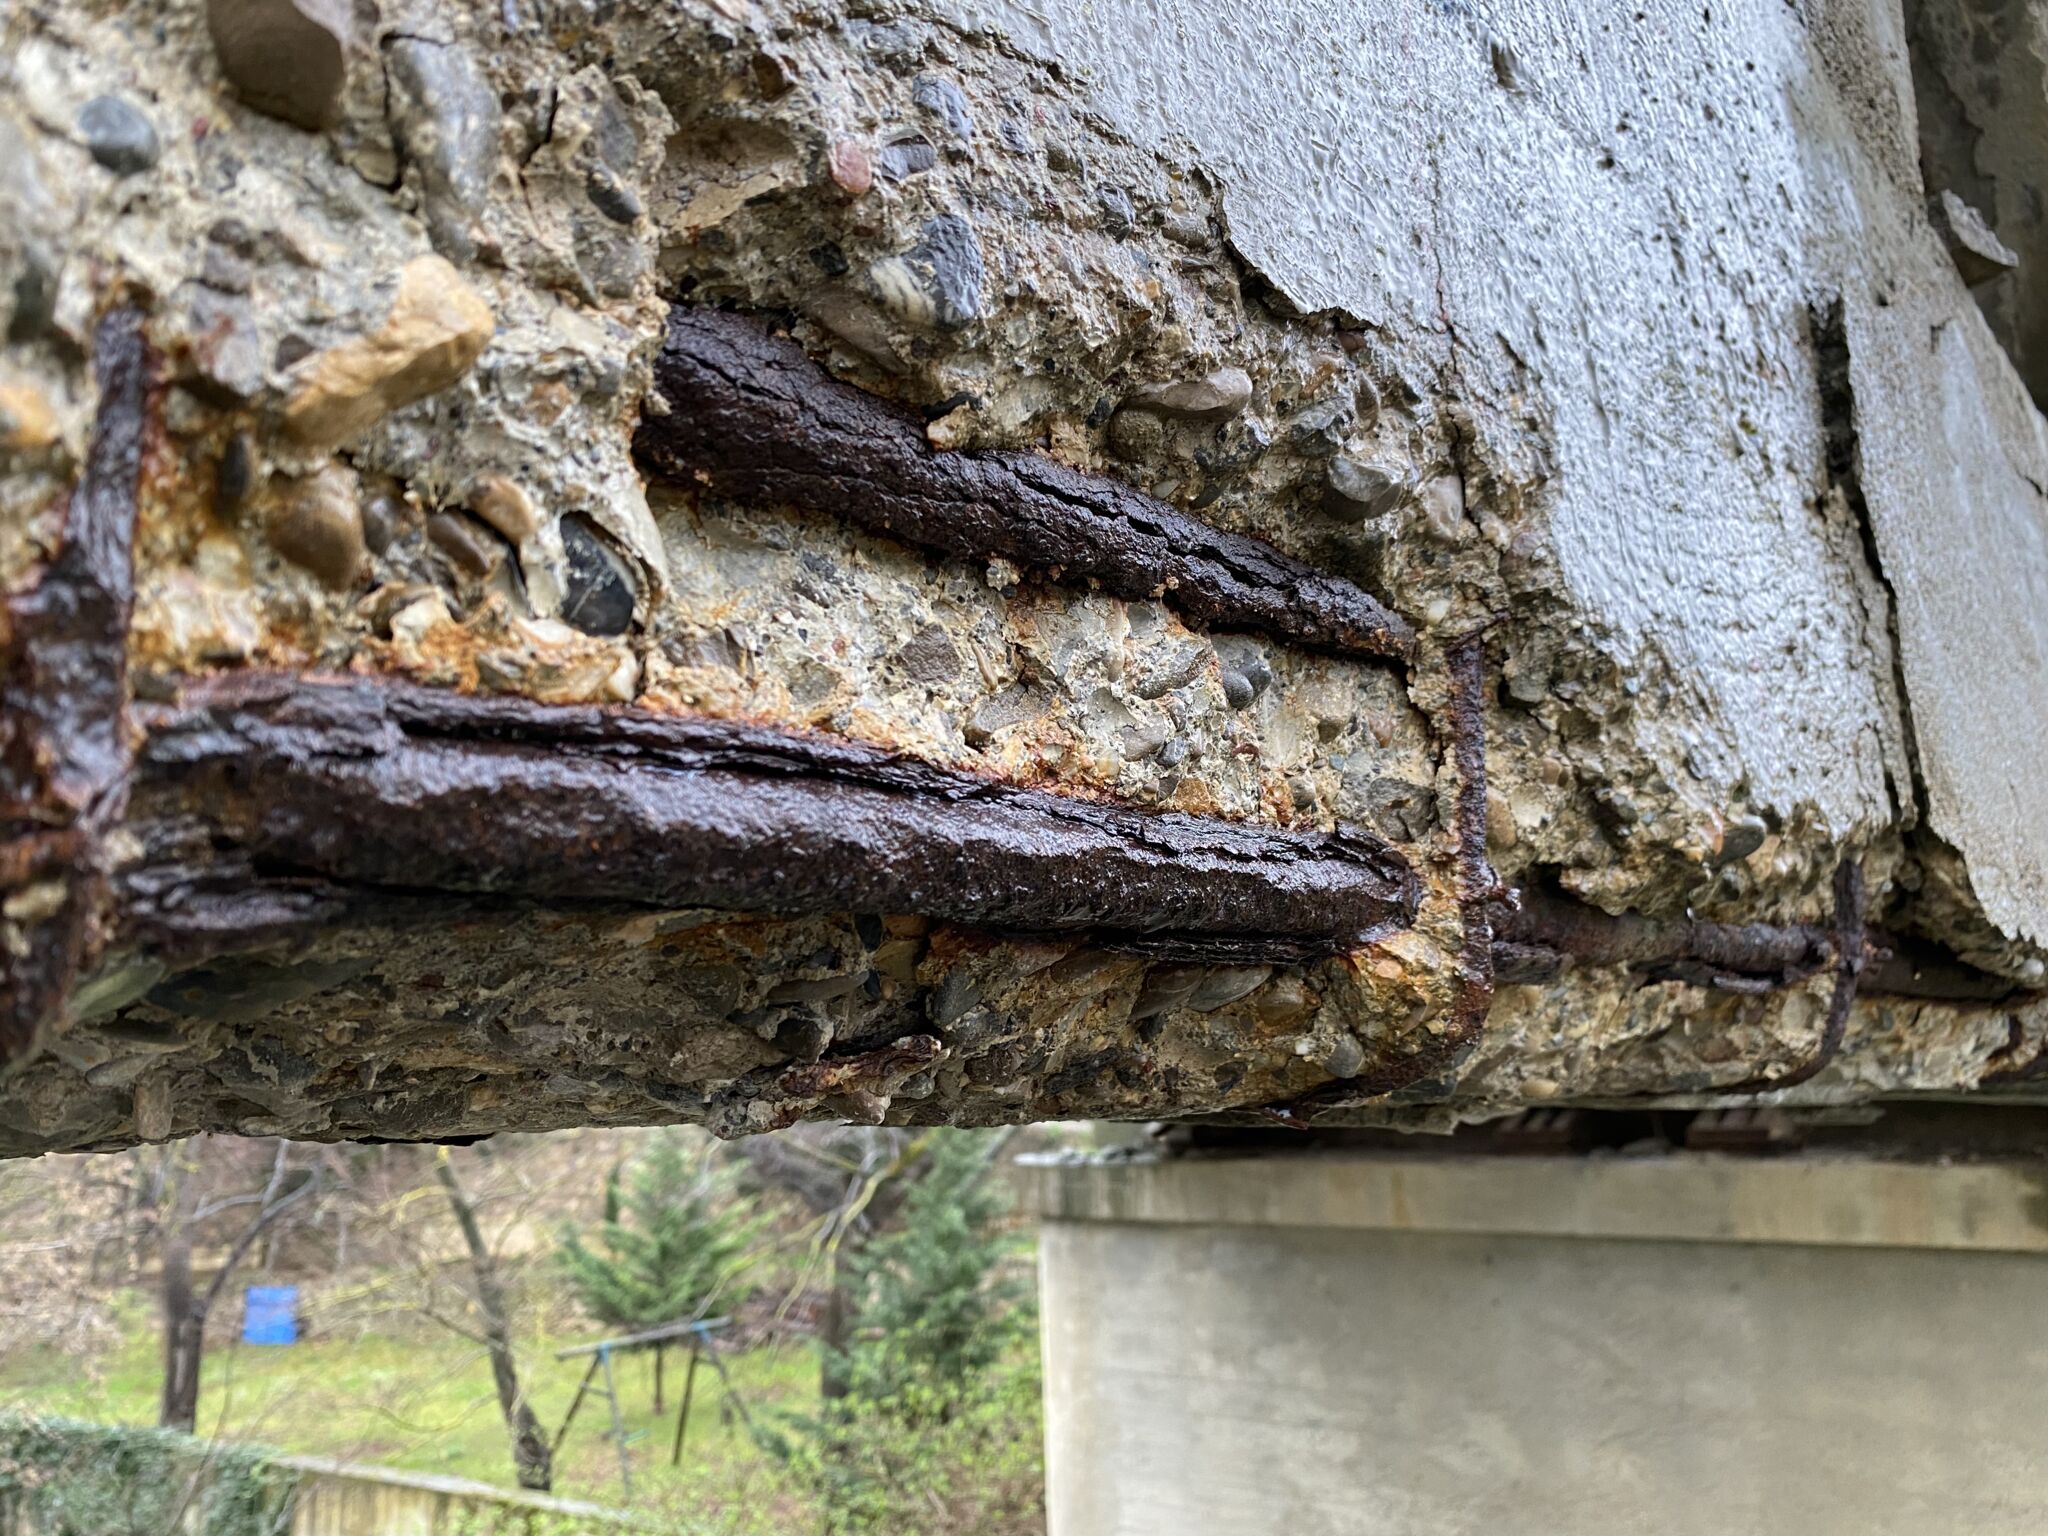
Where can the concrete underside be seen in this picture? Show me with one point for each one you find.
(1417, 1346)
(1619, 331)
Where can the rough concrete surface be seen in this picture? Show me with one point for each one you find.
(1621, 333)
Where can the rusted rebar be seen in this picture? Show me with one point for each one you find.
(1465, 662)
(750, 416)
(1476, 889)
(1548, 931)
(386, 785)
(1850, 956)
(64, 746)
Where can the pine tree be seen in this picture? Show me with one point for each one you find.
(670, 1245)
(938, 1413)
(932, 1312)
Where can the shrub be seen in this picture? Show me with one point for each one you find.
(962, 1463)
(932, 1311)
(938, 1430)
(64, 1478)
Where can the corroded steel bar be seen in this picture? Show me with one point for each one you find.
(1537, 940)
(1477, 888)
(391, 785)
(1849, 948)
(63, 733)
(752, 417)
(1547, 928)
(1465, 660)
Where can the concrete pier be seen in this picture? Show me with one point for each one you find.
(1398, 1344)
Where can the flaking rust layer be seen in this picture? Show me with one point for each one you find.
(406, 290)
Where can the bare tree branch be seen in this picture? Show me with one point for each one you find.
(255, 1229)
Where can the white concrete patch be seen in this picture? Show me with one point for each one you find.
(1610, 221)
(1957, 478)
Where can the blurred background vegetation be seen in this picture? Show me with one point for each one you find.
(879, 1335)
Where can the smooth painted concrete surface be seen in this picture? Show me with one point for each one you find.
(1411, 1374)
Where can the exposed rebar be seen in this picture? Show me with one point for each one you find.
(384, 784)
(750, 416)
(64, 746)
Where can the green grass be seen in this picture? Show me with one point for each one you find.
(426, 1403)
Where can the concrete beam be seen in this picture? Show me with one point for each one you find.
(1553, 439)
(1817, 1199)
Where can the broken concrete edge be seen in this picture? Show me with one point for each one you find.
(713, 365)
(239, 910)
(64, 749)
(1026, 380)
(861, 1084)
(1829, 1198)
(405, 1016)
(751, 416)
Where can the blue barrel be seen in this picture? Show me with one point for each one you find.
(270, 1314)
